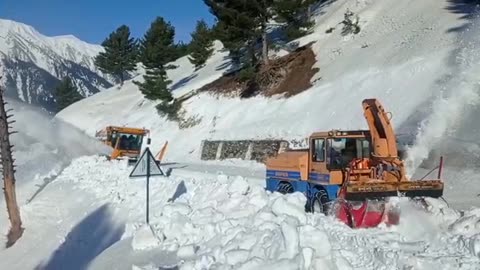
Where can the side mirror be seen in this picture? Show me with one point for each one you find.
(149, 141)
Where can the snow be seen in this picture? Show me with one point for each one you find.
(31, 61)
(215, 226)
(61, 45)
(145, 238)
(216, 214)
(380, 71)
(420, 63)
(43, 147)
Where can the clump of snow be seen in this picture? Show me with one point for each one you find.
(468, 224)
(186, 252)
(293, 206)
(145, 238)
(150, 266)
(238, 186)
(475, 245)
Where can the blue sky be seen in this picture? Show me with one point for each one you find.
(93, 20)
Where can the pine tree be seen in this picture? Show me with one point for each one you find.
(295, 14)
(201, 46)
(157, 46)
(120, 53)
(157, 49)
(233, 45)
(181, 49)
(245, 22)
(66, 93)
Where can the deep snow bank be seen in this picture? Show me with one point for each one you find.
(220, 222)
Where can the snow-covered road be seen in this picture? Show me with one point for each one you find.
(88, 217)
(461, 192)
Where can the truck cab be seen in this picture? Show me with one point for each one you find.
(318, 171)
(331, 152)
(125, 141)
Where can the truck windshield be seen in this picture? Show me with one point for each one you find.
(128, 141)
(341, 151)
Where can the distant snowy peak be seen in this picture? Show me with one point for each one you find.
(32, 63)
(14, 36)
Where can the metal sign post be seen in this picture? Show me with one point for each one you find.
(148, 190)
(146, 167)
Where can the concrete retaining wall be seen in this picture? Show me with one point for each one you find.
(257, 150)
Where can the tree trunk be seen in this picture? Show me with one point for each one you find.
(8, 171)
(265, 47)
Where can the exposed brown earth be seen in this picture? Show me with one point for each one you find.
(288, 75)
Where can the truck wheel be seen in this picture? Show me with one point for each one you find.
(285, 188)
(320, 202)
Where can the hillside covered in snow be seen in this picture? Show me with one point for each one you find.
(32, 65)
(417, 58)
(420, 59)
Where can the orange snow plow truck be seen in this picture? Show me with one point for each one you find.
(351, 174)
(125, 141)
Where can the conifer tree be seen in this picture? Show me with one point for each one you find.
(157, 49)
(120, 53)
(234, 45)
(181, 49)
(201, 46)
(66, 93)
(244, 21)
(295, 14)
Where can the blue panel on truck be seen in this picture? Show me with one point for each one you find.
(291, 175)
(320, 177)
(332, 191)
(272, 184)
(309, 187)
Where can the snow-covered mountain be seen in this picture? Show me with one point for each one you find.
(31, 64)
(420, 58)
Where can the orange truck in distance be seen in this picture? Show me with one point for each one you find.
(125, 141)
(351, 174)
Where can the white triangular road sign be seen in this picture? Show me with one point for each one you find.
(141, 167)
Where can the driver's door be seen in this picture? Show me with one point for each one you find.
(318, 169)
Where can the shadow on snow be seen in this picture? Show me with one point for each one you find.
(86, 240)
